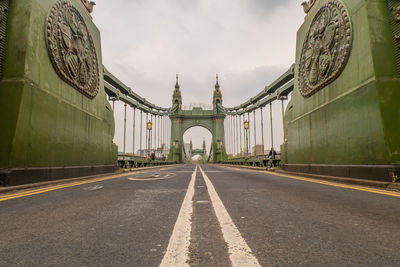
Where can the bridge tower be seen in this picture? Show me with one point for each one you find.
(212, 120)
(56, 121)
(344, 117)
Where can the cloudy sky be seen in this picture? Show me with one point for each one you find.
(249, 43)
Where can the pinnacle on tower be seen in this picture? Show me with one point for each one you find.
(177, 97)
(177, 82)
(217, 84)
(217, 98)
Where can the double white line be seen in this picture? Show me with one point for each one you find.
(178, 248)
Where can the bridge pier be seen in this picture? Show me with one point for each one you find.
(56, 121)
(346, 121)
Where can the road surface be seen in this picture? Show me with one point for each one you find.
(200, 215)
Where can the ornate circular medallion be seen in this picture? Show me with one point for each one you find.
(71, 48)
(326, 48)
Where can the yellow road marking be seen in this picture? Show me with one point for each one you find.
(316, 181)
(56, 187)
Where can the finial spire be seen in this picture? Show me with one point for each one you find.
(217, 84)
(177, 81)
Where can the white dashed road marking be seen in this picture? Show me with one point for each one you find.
(177, 253)
(92, 188)
(239, 252)
(152, 177)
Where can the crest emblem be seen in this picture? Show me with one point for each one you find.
(326, 48)
(71, 48)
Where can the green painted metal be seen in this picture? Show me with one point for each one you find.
(201, 152)
(129, 161)
(258, 161)
(47, 125)
(354, 122)
(279, 89)
(119, 91)
(182, 120)
(349, 124)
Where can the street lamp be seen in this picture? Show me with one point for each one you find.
(246, 128)
(149, 128)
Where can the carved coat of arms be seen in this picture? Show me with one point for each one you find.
(326, 48)
(71, 48)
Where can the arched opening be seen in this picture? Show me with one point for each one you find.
(197, 135)
(197, 158)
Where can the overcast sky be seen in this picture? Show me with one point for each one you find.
(249, 43)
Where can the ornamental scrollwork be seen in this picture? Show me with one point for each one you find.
(4, 5)
(307, 5)
(396, 13)
(394, 19)
(3, 13)
(3, 17)
(88, 5)
(326, 48)
(71, 48)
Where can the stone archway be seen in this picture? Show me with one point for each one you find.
(197, 132)
(211, 119)
(182, 120)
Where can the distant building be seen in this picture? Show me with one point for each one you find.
(159, 152)
(142, 152)
(258, 150)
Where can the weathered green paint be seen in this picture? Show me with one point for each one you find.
(45, 122)
(182, 120)
(356, 119)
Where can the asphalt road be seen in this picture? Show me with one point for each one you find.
(203, 215)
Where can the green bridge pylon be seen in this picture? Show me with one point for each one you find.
(183, 120)
(201, 152)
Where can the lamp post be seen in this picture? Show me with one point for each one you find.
(149, 127)
(246, 128)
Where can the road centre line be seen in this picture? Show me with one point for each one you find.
(177, 253)
(56, 187)
(240, 253)
(151, 179)
(316, 181)
(191, 171)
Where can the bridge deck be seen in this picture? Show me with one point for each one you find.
(133, 219)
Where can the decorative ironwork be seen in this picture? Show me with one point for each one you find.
(394, 8)
(88, 5)
(308, 5)
(326, 48)
(396, 13)
(3, 31)
(71, 48)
